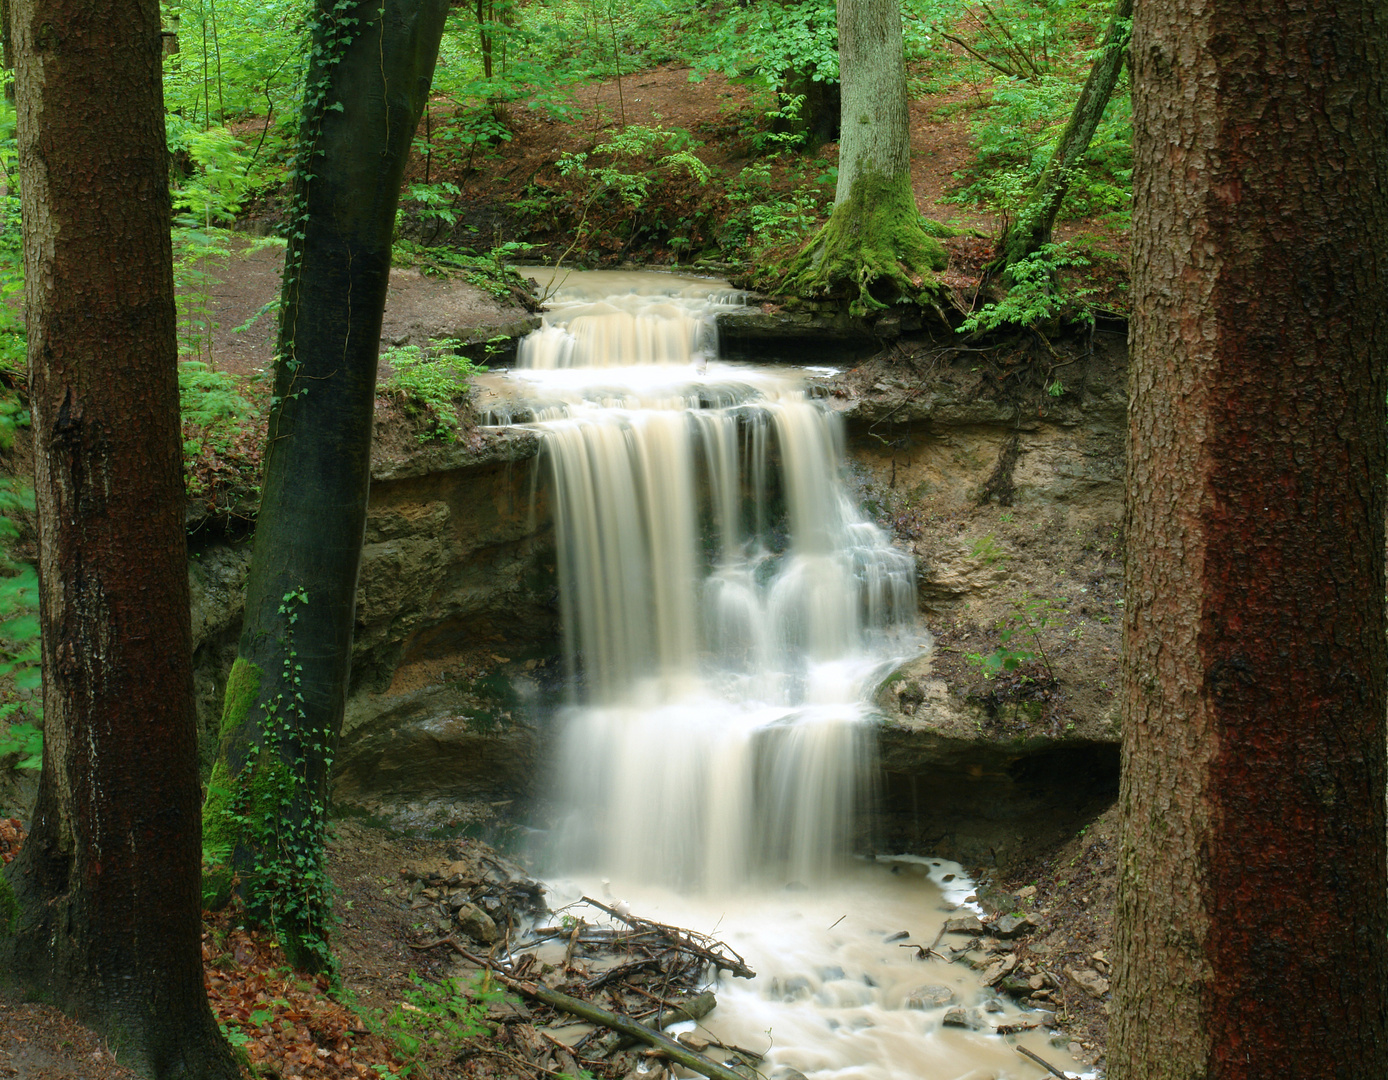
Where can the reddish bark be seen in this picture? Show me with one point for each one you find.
(1252, 911)
(107, 883)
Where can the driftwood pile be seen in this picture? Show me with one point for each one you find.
(598, 984)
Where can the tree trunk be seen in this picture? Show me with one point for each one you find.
(874, 249)
(287, 689)
(1034, 223)
(1252, 881)
(106, 888)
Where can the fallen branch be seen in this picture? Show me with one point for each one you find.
(1043, 1063)
(696, 1008)
(716, 953)
(595, 1015)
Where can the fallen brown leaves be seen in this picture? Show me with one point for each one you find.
(11, 837)
(284, 1021)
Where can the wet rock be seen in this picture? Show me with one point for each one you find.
(477, 924)
(793, 989)
(1088, 980)
(933, 996)
(1011, 926)
(1015, 986)
(965, 924)
(995, 972)
(961, 1018)
(1027, 1022)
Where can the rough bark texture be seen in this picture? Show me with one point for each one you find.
(874, 249)
(1034, 223)
(107, 885)
(294, 657)
(1251, 937)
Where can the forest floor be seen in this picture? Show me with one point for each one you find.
(292, 1028)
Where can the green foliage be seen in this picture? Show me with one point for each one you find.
(769, 39)
(238, 58)
(441, 1017)
(1023, 624)
(431, 380)
(766, 216)
(21, 664)
(1038, 293)
(635, 157)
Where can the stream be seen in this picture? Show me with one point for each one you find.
(728, 612)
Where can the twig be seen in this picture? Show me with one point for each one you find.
(1043, 1063)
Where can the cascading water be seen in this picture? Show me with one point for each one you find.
(727, 611)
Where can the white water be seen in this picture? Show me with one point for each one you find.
(727, 611)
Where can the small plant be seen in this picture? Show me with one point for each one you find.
(1037, 295)
(988, 550)
(443, 1016)
(431, 380)
(1029, 616)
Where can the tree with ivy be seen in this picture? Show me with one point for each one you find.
(99, 914)
(366, 88)
(876, 249)
(1031, 230)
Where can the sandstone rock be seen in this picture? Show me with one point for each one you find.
(996, 971)
(1088, 980)
(477, 924)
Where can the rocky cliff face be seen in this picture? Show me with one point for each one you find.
(1009, 493)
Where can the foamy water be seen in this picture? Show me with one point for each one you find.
(727, 613)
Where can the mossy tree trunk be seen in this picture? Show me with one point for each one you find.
(100, 913)
(1035, 221)
(875, 249)
(1252, 887)
(366, 90)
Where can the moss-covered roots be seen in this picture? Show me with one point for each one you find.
(875, 250)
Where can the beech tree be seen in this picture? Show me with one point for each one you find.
(366, 89)
(875, 247)
(103, 914)
(1252, 881)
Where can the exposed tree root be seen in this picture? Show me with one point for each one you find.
(875, 251)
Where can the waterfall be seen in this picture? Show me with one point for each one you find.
(726, 607)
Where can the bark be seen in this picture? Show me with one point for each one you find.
(1251, 908)
(285, 698)
(1034, 223)
(874, 249)
(106, 887)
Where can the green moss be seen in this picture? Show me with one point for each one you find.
(243, 686)
(222, 817)
(873, 251)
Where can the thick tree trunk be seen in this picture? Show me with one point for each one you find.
(287, 690)
(874, 249)
(106, 887)
(1034, 223)
(1251, 936)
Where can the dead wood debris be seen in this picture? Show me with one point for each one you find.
(600, 983)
